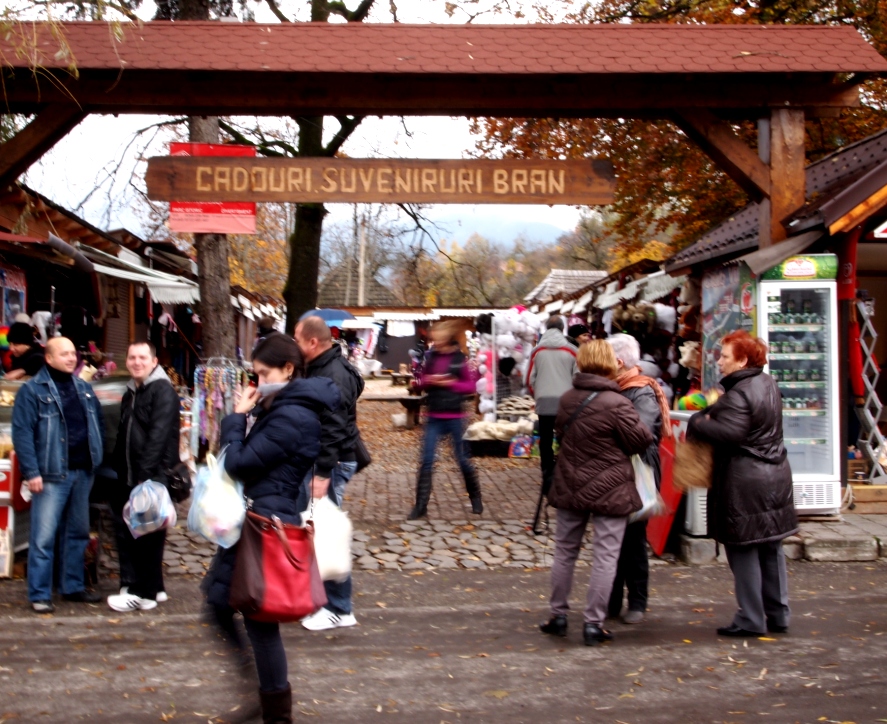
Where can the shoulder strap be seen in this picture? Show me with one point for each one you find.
(576, 413)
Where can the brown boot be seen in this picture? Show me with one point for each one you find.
(277, 706)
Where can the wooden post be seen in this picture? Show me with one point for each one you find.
(787, 175)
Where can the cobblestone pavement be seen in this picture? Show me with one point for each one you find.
(450, 537)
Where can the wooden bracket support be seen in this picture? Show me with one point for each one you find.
(50, 126)
(726, 149)
(777, 181)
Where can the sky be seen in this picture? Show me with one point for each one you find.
(96, 170)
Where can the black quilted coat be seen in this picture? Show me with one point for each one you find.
(750, 500)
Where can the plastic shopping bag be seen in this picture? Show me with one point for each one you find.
(332, 538)
(149, 509)
(652, 503)
(217, 505)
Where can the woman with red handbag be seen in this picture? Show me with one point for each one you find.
(271, 460)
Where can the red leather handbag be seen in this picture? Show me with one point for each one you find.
(276, 578)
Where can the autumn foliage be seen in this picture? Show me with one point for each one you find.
(667, 188)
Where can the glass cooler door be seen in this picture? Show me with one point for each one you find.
(802, 335)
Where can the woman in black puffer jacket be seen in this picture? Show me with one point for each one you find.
(271, 461)
(750, 504)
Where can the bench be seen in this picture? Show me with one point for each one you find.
(412, 405)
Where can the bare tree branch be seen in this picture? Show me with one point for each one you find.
(347, 124)
(272, 4)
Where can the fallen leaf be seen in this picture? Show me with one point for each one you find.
(381, 604)
(687, 641)
(497, 694)
(765, 638)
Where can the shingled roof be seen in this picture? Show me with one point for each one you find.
(634, 70)
(401, 48)
(336, 291)
(826, 179)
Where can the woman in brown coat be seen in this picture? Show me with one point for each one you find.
(598, 430)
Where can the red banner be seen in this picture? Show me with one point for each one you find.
(210, 217)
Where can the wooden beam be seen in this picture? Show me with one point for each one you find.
(576, 95)
(50, 126)
(858, 214)
(726, 149)
(787, 174)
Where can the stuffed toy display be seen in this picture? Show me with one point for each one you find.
(506, 355)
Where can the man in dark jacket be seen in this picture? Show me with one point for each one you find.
(147, 449)
(57, 433)
(336, 463)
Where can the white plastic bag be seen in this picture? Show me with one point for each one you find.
(217, 505)
(652, 503)
(149, 509)
(332, 538)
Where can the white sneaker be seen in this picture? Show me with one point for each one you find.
(162, 596)
(324, 619)
(130, 602)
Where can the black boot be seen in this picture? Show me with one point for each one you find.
(277, 706)
(423, 495)
(472, 485)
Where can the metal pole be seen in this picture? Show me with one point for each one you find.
(361, 266)
(51, 311)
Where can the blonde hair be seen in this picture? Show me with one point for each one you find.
(597, 357)
(449, 327)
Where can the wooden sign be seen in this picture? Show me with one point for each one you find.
(322, 180)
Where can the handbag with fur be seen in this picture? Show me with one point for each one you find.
(693, 465)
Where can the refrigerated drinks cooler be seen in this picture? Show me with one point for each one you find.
(799, 299)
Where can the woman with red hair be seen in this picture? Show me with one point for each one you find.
(750, 504)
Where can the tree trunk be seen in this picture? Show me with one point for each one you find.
(213, 271)
(300, 292)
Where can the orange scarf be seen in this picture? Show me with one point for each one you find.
(634, 378)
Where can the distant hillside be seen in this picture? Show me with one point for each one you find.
(492, 225)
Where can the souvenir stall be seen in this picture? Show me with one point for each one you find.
(361, 339)
(501, 346)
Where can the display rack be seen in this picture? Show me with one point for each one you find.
(217, 387)
(871, 440)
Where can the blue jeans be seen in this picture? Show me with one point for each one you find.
(62, 507)
(338, 593)
(438, 427)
